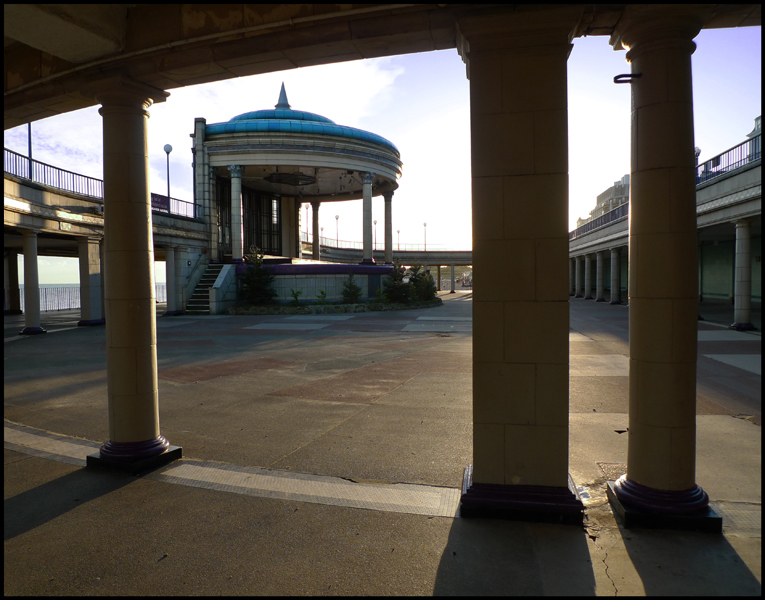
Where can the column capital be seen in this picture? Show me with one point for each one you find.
(388, 196)
(641, 24)
(235, 170)
(118, 90)
(367, 177)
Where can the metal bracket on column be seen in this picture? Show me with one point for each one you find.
(627, 77)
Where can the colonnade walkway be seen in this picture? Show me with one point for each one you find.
(325, 454)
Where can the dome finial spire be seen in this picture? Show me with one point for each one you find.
(283, 104)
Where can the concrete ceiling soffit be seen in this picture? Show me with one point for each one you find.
(76, 33)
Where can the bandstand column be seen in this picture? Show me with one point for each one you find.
(571, 276)
(742, 290)
(588, 276)
(91, 312)
(616, 280)
(316, 232)
(366, 257)
(388, 196)
(237, 250)
(519, 152)
(171, 282)
(663, 270)
(578, 284)
(599, 278)
(31, 285)
(131, 346)
(453, 284)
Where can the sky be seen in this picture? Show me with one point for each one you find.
(420, 102)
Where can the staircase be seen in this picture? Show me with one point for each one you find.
(199, 303)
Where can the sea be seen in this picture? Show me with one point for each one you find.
(63, 296)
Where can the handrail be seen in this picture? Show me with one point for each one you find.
(730, 160)
(330, 242)
(25, 168)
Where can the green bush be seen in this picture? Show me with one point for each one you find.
(395, 288)
(257, 281)
(351, 291)
(424, 287)
(322, 297)
(296, 296)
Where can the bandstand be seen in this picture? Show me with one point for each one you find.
(253, 173)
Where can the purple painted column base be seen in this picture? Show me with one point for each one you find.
(135, 457)
(90, 322)
(588, 298)
(520, 502)
(32, 330)
(615, 302)
(743, 327)
(578, 296)
(368, 261)
(172, 313)
(640, 506)
(600, 300)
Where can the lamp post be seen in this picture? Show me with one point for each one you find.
(375, 222)
(337, 230)
(168, 150)
(398, 244)
(321, 235)
(425, 229)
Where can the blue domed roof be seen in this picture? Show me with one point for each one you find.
(283, 119)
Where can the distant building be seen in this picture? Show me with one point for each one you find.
(613, 197)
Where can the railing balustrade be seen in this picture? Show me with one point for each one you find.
(330, 242)
(21, 166)
(730, 160)
(64, 298)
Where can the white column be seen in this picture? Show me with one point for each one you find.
(616, 281)
(578, 278)
(91, 312)
(388, 228)
(367, 218)
(663, 275)
(453, 285)
(237, 253)
(571, 276)
(31, 285)
(599, 278)
(131, 342)
(588, 276)
(172, 296)
(316, 232)
(742, 292)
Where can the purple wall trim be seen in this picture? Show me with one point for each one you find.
(660, 501)
(127, 451)
(325, 269)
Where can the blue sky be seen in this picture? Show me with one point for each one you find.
(420, 102)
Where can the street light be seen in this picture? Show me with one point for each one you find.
(337, 230)
(321, 234)
(168, 150)
(425, 228)
(375, 235)
(398, 244)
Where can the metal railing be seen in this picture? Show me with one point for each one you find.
(730, 160)
(620, 211)
(330, 242)
(64, 298)
(21, 166)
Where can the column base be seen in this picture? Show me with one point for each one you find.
(452, 292)
(13, 311)
(32, 330)
(578, 296)
(600, 299)
(615, 302)
(588, 298)
(135, 457)
(237, 261)
(172, 313)
(368, 261)
(90, 322)
(705, 519)
(520, 502)
(743, 327)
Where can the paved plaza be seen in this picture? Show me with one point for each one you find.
(324, 454)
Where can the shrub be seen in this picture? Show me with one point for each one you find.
(395, 288)
(424, 287)
(351, 291)
(296, 296)
(257, 281)
(322, 297)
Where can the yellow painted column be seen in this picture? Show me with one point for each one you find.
(131, 346)
(90, 281)
(31, 285)
(367, 256)
(663, 275)
(519, 144)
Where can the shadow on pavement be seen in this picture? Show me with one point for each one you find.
(674, 563)
(46, 502)
(510, 558)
